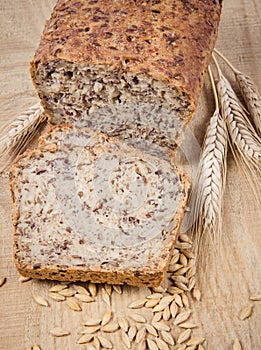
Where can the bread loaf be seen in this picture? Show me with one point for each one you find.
(90, 207)
(126, 65)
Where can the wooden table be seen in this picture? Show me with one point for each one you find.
(229, 278)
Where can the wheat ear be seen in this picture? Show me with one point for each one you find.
(207, 193)
(249, 93)
(15, 137)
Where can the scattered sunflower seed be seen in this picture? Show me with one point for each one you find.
(59, 332)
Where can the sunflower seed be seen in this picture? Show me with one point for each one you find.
(59, 332)
(123, 323)
(132, 332)
(96, 343)
(155, 296)
(161, 344)
(117, 288)
(184, 336)
(92, 289)
(173, 309)
(2, 281)
(137, 318)
(151, 330)
(56, 296)
(106, 317)
(40, 300)
(185, 300)
(36, 347)
(137, 304)
(85, 338)
(106, 297)
(140, 334)
(187, 325)
(160, 326)
(255, 297)
(237, 345)
(196, 341)
(90, 330)
(92, 322)
(110, 327)
(57, 288)
(183, 316)
(105, 342)
(166, 314)
(80, 289)
(245, 312)
(73, 305)
(152, 345)
(196, 293)
(23, 279)
(167, 337)
(126, 340)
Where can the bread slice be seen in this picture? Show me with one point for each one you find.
(126, 65)
(90, 207)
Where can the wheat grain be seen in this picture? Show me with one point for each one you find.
(182, 347)
(105, 342)
(158, 289)
(151, 329)
(236, 345)
(166, 314)
(117, 288)
(137, 318)
(187, 325)
(184, 336)
(167, 337)
(92, 289)
(137, 304)
(36, 347)
(84, 298)
(85, 338)
(160, 326)
(108, 289)
(183, 316)
(196, 341)
(58, 287)
(162, 345)
(80, 289)
(40, 300)
(152, 345)
(92, 322)
(15, 137)
(90, 330)
(140, 334)
(59, 332)
(24, 279)
(192, 347)
(155, 296)
(106, 317)
(178, 300)
(151, 303)
(106, 297)
(56, 296)
(157, 317)
(142, 345)
(255, 297)
(73, 305)
(185, 300)
(123, 323)
(132, 332)
(196, 293)
(2, 281)
(245, 312)
(159, 307)
(126, 340)
(67, 292)
(173, 309)
(110, 327)
(96, 343)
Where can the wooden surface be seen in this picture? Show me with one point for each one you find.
(229, 278)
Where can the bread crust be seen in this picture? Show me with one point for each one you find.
(137, 277)
(170, 40)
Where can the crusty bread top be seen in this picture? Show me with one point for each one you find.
(170, 40)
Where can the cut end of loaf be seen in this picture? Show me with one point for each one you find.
(113, 101)
(90, 207)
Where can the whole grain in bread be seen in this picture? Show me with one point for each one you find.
(90, 207)
(139, 65)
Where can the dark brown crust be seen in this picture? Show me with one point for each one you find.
(170, 40)
(139, 277)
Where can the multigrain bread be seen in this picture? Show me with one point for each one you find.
(89, 207)
(126, 66)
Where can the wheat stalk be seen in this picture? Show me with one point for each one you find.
(249, 93)
(15, 137)
(206, 197)
(244, 141)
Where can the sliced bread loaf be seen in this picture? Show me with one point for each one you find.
(139, 65)
(90, 207)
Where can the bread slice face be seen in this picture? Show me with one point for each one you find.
(90, 207)
(137, 65)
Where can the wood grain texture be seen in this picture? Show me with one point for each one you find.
(229, 278)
